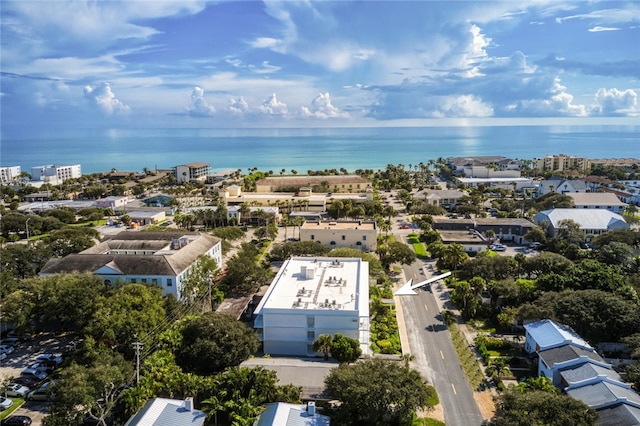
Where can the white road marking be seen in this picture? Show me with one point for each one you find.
(454, 389)
(441, 354)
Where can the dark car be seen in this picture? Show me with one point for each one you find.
(26, 381)
(16, 421)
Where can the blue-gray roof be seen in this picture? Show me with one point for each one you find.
(568, 352)
(166, 412)
(549, 334)
(621, 414)
(602, 394)
(588, 371)
(284, 414)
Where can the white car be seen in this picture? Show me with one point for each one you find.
(6, 349)
(16, 390)
(57, 358)
(5, 403)
(498, 247)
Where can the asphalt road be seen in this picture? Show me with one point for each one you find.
(434, 354)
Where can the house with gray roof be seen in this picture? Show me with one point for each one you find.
(546, 334)
(591, 221)
(561, 186)
(588, 373)
(620, 414)
(160, 258)
(168, 412)
(552, 361)
(285, 414)
(603, 394)
(598, 200)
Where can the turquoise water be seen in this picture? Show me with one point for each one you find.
(312, 149)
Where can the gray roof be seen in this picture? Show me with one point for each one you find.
(567, 353)
(284, 414)
(439, 193)
(602, 394)
(588, 371)
(163, 261)
(595, 199)
(585, 218)
(166, 412)
(621, 414)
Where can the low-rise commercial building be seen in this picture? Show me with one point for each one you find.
(357, 234)
(314, 296)
(192, 172)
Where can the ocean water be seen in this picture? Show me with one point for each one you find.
(311, 149)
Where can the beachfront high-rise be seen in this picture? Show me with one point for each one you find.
(561, 162)
(192, 172)
(55, 173)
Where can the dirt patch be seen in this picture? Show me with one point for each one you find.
(485, 403)
(436, 413)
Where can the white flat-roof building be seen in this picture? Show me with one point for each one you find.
(191, 172)
(9, 174)
(314, 296)
(55, 173)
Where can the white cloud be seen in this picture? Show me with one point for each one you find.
(199, 106)
(463, 106)
(558, 103)
(272, 106)
(103, 97)
(264, 43)
(616, 102)
(598, 29)
(322, 108)
(238, 106)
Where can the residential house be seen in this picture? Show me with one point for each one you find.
(588, 373)
(598, 200)
(505, 229)
(285, 414)
(561, 186)
(358, 234)
(591, 221)
(547, 334)
(168, 412)
(160, 258)
(552, 361)
(313, 296)
(604, 394)
(619, 414)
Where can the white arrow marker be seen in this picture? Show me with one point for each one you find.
(408, 288)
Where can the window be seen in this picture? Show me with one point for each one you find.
(344, 237)
(133, 280)
(364, 238)
(311, 335)
(313, 237)
(154, 280)
(169, 282)
(144, 280)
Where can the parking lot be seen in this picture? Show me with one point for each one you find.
(23, 356)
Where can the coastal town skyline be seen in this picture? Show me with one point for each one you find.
(196, 64)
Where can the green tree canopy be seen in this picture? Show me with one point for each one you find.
(359, 387)
(70, 240)
(539, 408)
(345, 349)
(214, 342)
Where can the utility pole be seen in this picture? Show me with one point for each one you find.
(137, 346)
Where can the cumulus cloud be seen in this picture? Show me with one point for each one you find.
(103, 97)
(463, 106)
(616, 102)
(199, 106)
(238, 106)
(322, 108)
(558, 103)
(272, 106)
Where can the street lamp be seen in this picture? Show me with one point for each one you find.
(26, 226)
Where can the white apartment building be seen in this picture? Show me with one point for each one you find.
(162, 258)
(192, 171)
(9, 174)
(55, 173)
(358, 234)
(314, 296)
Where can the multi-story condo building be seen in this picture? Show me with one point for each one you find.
(314, 296)
(9, 174)
(561, 162)
(192, 171)
(55, 173)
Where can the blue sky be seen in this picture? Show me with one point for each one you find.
(111, 64)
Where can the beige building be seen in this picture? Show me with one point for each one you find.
(306, 184)
(358, 234)
(561, 162)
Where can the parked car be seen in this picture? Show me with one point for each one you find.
(3, 356)
(5, 403)
(47, 369)
(40, 394)
(6, 349)
(57, 358)
(16, 390)
(36, 374)
(29, 382)
(16, 421)
(498, 247)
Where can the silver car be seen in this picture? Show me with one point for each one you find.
(5, 403)
(16, 390)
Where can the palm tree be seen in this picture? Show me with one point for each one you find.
(323, 344)
(214, 404)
